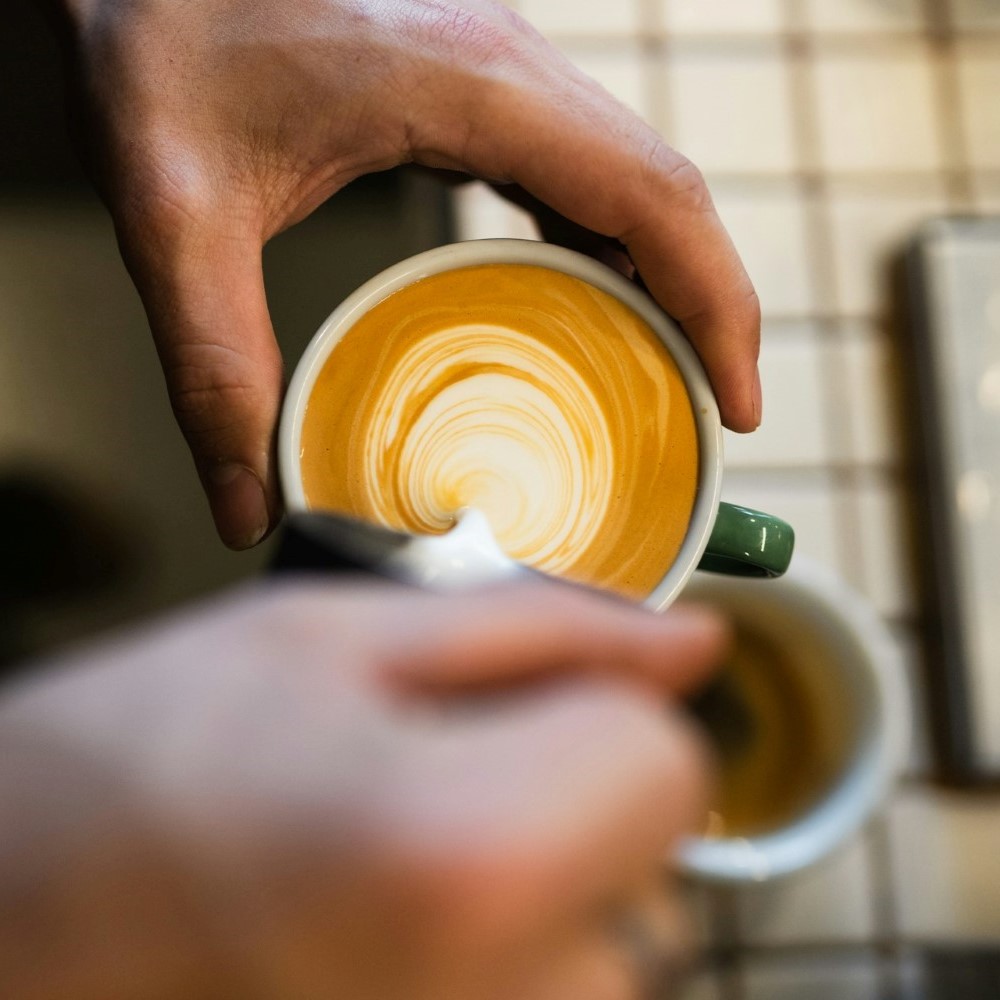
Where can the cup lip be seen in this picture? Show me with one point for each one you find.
(473, 253)
(876, 764)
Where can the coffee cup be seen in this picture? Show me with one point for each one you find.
(539, 386)
(810, 720)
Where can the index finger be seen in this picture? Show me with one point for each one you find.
(569, 143)
(511, 636)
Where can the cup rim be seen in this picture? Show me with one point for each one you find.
(812, 589)
(473, 253)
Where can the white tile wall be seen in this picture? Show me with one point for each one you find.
(881, 548)
(793, 433)
(987, 195)
(807, 977)
(946, 856)
(619, 69)
(976, 14)
(868, 228)
(722, 16)
(979, 79)
(768, 228)
(829, 903)
(870, 404)
(864, 15)
(876, 111)
(731, 111)
(582, 17)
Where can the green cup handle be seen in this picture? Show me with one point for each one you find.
(745, 542)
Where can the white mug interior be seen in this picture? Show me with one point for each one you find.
(504, 251)
(826, 626)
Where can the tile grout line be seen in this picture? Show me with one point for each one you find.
(747, 43)
(813, 182)
(868, 947)
(956, 178)
(728, 949)
(655, 54)
(856, 180)
(884, 903)
(839, 433)
(947, 95)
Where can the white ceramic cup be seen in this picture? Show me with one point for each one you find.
(827, 628)
(731, 538)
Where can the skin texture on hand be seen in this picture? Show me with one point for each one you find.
(352, 791)
(209, 127)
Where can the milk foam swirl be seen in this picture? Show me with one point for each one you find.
(488, 417)
(525, 393)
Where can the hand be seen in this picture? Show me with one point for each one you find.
(212, 126)
(316, 791)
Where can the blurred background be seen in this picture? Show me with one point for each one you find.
(829, 131)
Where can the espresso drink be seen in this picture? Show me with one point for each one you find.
(518, 390)
(779, 734)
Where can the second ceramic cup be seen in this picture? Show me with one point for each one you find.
(816, 728)
(720, 537)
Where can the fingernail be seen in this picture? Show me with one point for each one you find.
(757, 398)
(239, 506)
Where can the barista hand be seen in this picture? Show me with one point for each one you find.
(353, 791)
(212, 126)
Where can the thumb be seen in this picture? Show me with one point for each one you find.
(203, 290)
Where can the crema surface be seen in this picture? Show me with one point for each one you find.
(528, 394)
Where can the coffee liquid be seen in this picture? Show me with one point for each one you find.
(528, 394)
(779, 741)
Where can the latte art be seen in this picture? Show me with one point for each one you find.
(487, 417)
(527, 394)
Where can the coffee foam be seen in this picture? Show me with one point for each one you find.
(526, 394)
(487, 417)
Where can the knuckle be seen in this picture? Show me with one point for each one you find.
(166, 198)
(473, 900)
(682, 180)
(741, 306)
(750, 307)
(471, 35)
(175, 191)
(519, 25)
(468, 895)
(210, 391)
